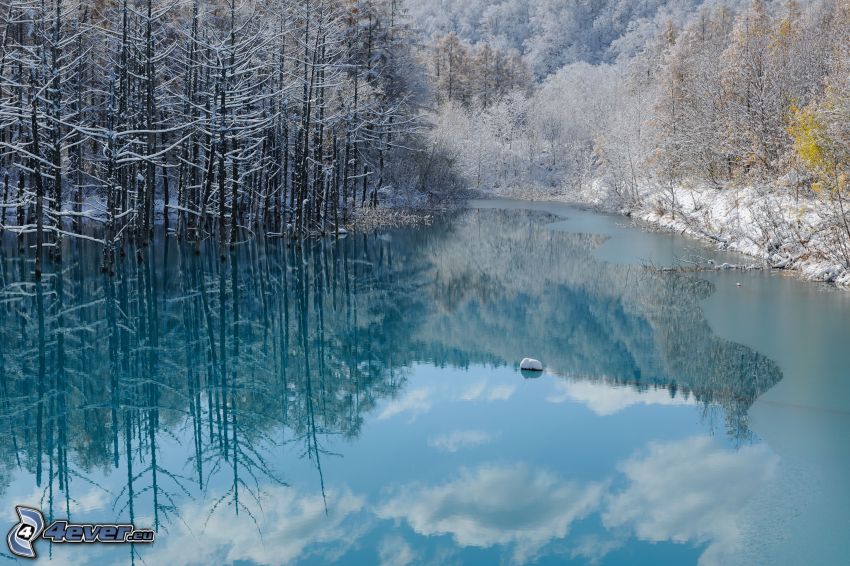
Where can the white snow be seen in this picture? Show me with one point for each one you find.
(531, 364)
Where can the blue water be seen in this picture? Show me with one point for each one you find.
(359, 401)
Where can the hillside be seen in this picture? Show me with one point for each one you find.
(662, 109)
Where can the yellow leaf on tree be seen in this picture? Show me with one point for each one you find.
(809, 140)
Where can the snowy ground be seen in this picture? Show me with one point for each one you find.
(785, 230)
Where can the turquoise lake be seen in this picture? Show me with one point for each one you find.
(359, 400)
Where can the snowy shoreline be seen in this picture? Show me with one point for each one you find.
(784, 231)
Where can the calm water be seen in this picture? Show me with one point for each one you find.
(359, 401)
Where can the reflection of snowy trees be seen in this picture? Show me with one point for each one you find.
(507, 288)
(281, 347)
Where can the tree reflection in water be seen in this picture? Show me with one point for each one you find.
(288, 343)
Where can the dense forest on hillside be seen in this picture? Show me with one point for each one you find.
(727, 95)
(658, 103)
(728, 120)
(223, 119)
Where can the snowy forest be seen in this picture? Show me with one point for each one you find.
(212, 115)
(224, 119)
(714, 92)
(726, 120)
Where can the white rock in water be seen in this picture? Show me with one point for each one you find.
(531, 364)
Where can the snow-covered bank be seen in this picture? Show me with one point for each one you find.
(785, 230)
(371, 219)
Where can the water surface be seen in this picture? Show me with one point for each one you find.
(358, 401)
